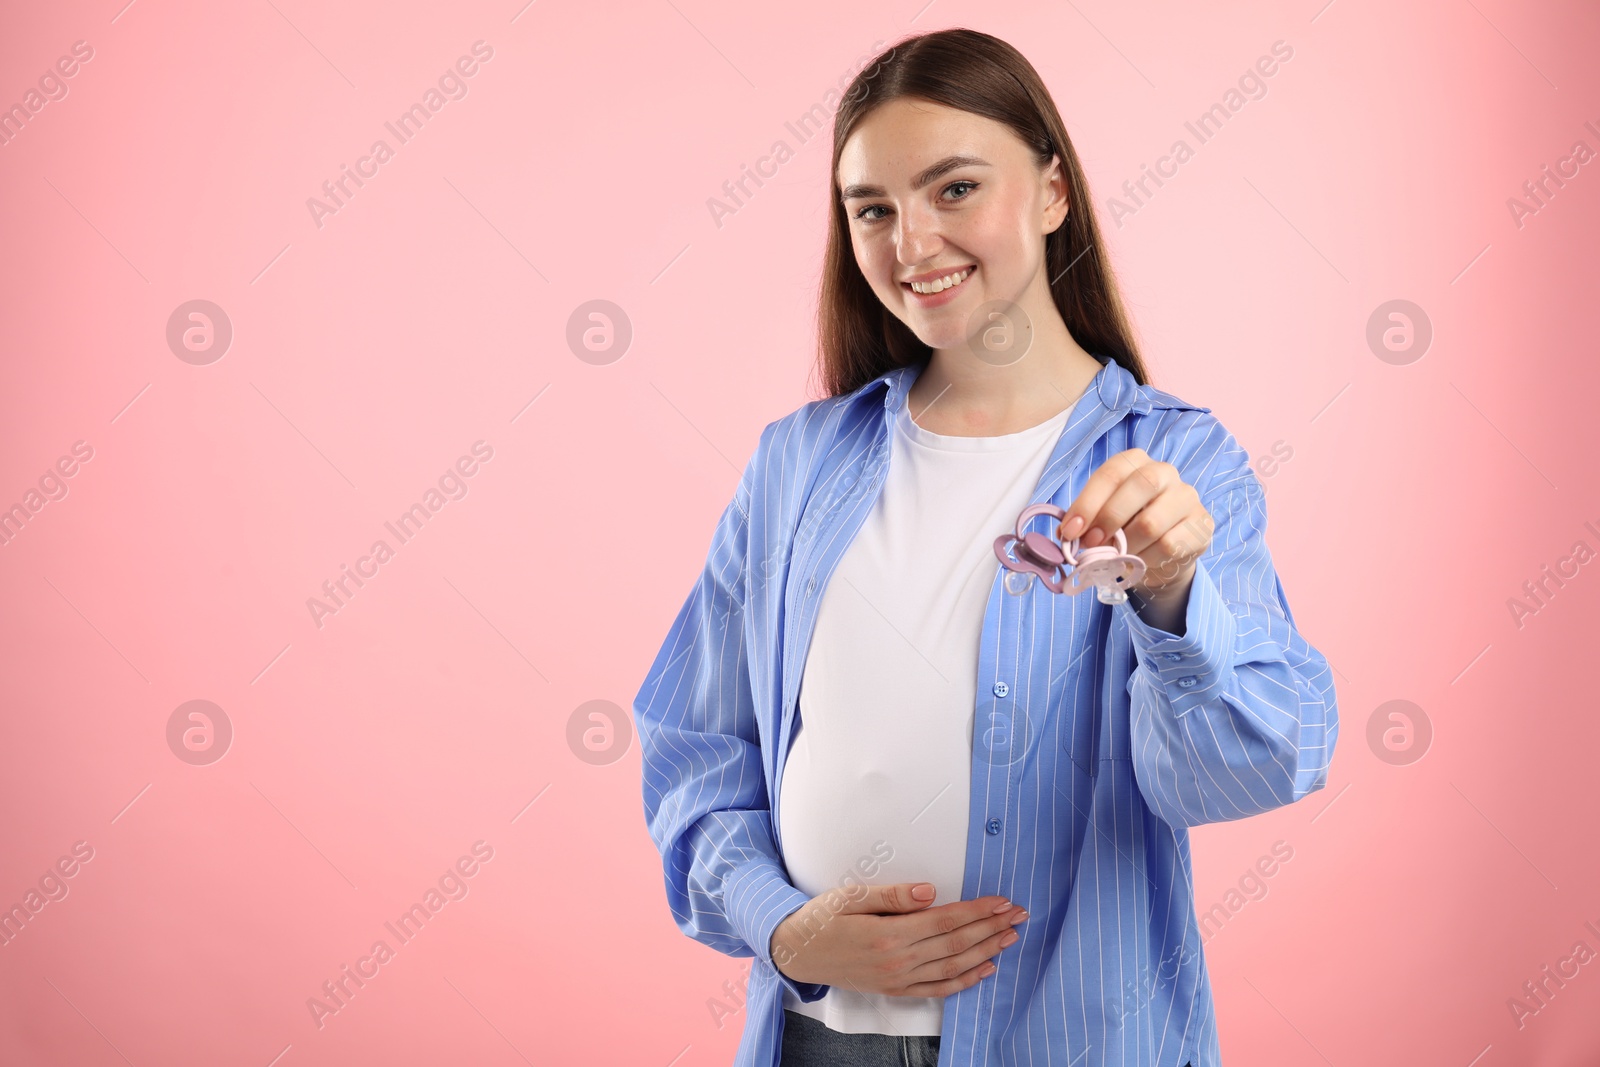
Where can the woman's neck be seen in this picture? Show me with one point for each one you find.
(959, 395)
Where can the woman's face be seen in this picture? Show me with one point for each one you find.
(930, 191)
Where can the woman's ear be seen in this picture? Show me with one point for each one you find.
(1057, 204)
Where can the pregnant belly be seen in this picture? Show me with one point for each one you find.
(852, 818)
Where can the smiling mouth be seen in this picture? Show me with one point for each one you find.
(939, 285)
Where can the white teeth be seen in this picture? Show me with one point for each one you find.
(947, 282)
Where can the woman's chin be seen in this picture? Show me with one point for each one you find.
(936, 329)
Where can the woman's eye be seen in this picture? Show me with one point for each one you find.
(862, 213)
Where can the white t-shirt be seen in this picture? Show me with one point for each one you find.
(881, 760)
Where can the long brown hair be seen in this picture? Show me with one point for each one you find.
(857, 338)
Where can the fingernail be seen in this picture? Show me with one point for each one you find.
(1094, 537)
(922, 892)
(1003, 906)
(1010, 939)
(1072, 526)
(1019, 917)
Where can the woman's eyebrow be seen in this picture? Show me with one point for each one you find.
(926, 177)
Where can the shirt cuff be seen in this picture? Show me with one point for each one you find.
(759, 897)
(1193, 668)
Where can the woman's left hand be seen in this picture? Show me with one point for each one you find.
(1158, 512)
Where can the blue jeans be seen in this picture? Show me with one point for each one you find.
(807, 1042)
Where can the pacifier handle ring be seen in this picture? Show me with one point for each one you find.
(1038, 509)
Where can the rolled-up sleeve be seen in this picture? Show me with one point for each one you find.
(705, 791)
(1237, 715)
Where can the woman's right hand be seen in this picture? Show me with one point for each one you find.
(887, 941)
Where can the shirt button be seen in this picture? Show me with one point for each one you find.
(1188, 681)
(993, 826)
(1174, 657)
(1001, 689)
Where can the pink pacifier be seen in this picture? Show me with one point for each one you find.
(1066, 569)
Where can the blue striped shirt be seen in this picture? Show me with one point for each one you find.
(1097, 741)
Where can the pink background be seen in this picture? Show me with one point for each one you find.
(437, 707)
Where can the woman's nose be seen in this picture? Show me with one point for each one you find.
(918, 237)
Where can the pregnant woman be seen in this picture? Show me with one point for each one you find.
(950, 823)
